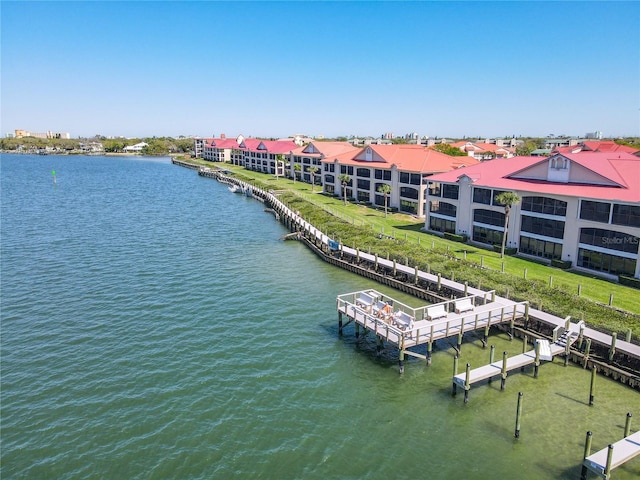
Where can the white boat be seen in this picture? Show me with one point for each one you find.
(235, 189)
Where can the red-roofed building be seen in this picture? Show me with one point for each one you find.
(311, 155)
(582, 208)
(597, 146)
(402, 167)
(484, 151)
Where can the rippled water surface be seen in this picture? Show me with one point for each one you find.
(154, 325)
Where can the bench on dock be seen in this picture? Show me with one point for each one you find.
(464, 305)
(403, 320)
(365, 300)
(436, 311)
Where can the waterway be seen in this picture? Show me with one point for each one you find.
(154, 325)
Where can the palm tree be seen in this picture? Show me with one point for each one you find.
(313, 171)
(297, 167)
(385, 190)
(345, 179)
(508, 199)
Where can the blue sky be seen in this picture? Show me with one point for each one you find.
(446, 69)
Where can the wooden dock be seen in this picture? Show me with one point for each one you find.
(519, 361)
(611, 457)
(409, 327)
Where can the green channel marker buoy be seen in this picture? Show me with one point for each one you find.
(53, 172)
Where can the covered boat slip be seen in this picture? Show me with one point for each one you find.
(407, 327)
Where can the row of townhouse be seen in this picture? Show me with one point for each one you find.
(580, 207)
(402, 167)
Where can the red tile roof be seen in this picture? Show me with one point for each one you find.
(597, 146)
(622, 169)
(326, 149)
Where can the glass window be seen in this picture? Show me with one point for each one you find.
(364, 184)
(363, 196)
(450, 191)
(434, 189)
(408, 207)
(488, 217)
(542, 226)
(495, 194)
(409, 192)
(596, 211)
(416, 179)
(482, 195)
(609, 239)
(442, 225)
(404, 177)
(627, 215)
(363, 172)
(487, 235)
(605, 262)
(549, 206)
(443, 208)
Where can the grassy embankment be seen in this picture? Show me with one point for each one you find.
(549, 289)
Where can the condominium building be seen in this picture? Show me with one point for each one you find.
(582, 208)
(403, 168)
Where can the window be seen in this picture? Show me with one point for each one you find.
(442, 225)
(540, 248)
(415, 179)
(548, 206)
(604, 262)
(443, 208)
(346, 169)
(364, 185)
(609, 239)
(363, 196)
(487, 235)
(408, 207)
(363, 172)
(434, 189)
(404, 177)
(450, 191)
(482, 195)
(542, 226)
(627, 215)
(382, 174)
(329, 179)
(409, 192)
(488, 217)
(596, 211)
(306, 161)
(329, 167)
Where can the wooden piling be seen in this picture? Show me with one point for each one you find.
(628, 336)
(467, 383)
(357, 330)
(607, 468)
(524, 348)
(491, 358)
(593, 384)
(587, 452)
(503, 373)
(627, 425)
(439, 281)
(401, 361)
(536, 363)
(455, 372)
(339, 323)
(586, 353)
(612, 350)
(518, 414)
(460, 334)
(429, 351)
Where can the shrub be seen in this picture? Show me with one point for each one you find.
(455, 237)
(507, 250)
(563, 264)
(629, 281)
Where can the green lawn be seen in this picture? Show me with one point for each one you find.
(541, 282)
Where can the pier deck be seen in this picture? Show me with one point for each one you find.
(421, 329)
(622, 451)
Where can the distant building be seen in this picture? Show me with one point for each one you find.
(484, 151)
(593, 135)
(47, 134)
(137, 148)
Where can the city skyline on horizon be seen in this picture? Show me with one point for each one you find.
(440, 69)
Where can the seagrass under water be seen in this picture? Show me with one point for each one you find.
(154, 326)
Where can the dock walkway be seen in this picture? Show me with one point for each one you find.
(621, 451)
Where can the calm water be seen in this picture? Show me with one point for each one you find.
(154, 325)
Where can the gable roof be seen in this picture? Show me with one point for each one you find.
(408, 158)
(597, 146)
(325, 149)
(621, 170)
